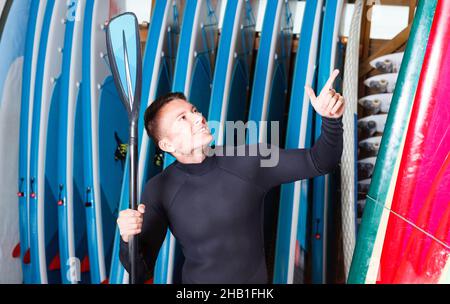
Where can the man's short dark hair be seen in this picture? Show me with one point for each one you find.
(151, 114)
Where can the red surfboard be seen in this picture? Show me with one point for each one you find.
(417, 244)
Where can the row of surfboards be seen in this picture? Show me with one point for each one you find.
(69, 130)
(372, 123)
(69, 134)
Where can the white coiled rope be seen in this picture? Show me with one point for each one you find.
(348, 169)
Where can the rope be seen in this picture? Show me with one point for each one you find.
(410, 223)
(348, 156)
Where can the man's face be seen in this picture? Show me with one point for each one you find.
(183, 129)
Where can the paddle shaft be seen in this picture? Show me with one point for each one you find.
(133, 153)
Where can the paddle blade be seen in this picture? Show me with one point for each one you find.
(124, 53)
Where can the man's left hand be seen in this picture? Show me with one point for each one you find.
(329, 103)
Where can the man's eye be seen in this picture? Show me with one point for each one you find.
(195, 111)
(183, 117)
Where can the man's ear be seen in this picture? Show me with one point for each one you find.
(166, 146)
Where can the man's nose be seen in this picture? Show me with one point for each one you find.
(199, 119)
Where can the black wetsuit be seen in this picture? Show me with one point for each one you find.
(215, 210)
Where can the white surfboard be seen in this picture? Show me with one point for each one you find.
(371, 125)
(383, 83)
(363, 188)
(388, 63)
(12, 47)
(43, 220)
(366, 167)
(370, 146)
(69, 215)
(378, 103)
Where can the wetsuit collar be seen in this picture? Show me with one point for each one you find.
(198, 169)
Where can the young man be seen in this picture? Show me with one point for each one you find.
(214, 204)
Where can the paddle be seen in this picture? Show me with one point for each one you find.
(124, 53)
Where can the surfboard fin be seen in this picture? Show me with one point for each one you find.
(55, 264)
(16, 251)
(85, 266)
(27, 257)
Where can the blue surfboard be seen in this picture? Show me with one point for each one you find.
(194, 70)
(270, 85)
(292, 219)
(29, 68)
(71, 216)
(231, 84)
(158, 67)
(43, 167)
(13, 25)
(270, 94)
(322, 185)
(104, 125)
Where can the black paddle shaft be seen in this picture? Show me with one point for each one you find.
(133, 152)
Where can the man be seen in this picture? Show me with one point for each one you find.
(214, 204)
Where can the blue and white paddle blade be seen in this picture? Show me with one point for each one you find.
(125, 59)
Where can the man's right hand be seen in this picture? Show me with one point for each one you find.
(130, 222)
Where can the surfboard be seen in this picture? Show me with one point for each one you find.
(105, 130)
(71, 215)
(416, 247)
(26, 112)
(383, 83)
(366, 167)
(158, 67)
(370, 125)
(231, 82)
(365, 263)
(363, 188)
(44, 139)
(292, 234)
(361, 204)
(375, 104)
(12, 49)
(270, 84)
(388, 63)
(369, 147)
(193, 75)
(322, 184)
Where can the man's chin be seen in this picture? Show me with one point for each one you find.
(204, 142)
(206, 139)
